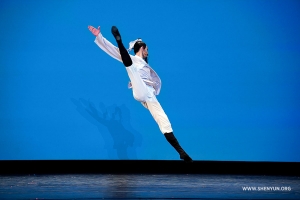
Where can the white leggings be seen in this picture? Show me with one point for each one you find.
(145, 94)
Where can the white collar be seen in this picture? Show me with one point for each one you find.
(141, 59)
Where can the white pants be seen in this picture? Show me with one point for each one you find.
(145, 94)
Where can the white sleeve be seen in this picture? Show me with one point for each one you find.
(108, 47)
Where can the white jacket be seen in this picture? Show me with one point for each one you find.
(113, 51)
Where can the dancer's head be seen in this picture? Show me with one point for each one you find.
(141, 48)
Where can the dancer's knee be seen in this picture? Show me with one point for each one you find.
(141, 97)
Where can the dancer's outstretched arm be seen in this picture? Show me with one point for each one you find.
(104, 44)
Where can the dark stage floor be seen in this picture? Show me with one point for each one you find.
(149, 186)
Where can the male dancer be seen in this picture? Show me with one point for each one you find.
(145, 83)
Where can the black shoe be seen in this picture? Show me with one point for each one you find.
(115, 32)
(124, 53)
(186, 158)
(174, 142)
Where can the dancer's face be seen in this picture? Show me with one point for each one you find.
(145, 52)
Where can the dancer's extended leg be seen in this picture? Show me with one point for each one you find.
(139, 88)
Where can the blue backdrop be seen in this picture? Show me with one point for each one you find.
(229, 69)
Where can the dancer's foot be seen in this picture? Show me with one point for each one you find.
(116, 34)
(174, 142)
(186, 158)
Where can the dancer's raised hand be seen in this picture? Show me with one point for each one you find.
(94, 31)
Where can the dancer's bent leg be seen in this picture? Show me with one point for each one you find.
(124, 53)
(139, 88)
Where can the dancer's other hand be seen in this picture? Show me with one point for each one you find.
(94, 31)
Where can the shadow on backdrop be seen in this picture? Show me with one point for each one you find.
(117, 121)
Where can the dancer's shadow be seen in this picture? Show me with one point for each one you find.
(117, 121)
